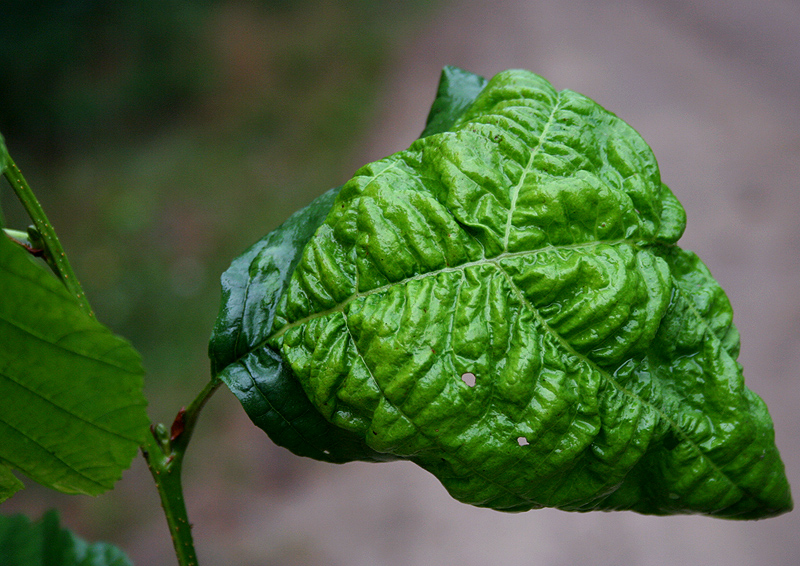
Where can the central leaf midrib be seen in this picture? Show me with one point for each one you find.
(450, 269)
(496, 261)
(528, 168)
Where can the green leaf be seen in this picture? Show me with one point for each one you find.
(72, 412)
(504, 304)
(45, 543)
(275, 402)
(457, 91)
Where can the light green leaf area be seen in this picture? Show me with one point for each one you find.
(72, 412)
(45, 543)
(504, 304)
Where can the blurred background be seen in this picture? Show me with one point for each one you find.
(163, 137)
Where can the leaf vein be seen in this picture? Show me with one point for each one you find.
(81, 418)
(33, 474)
(528, 168)
(610, 379)
(419, 430)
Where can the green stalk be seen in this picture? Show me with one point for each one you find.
(164, 451)
(53, 253)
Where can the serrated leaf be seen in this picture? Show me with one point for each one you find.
(45, 543)
(504, 304)
(72, 412)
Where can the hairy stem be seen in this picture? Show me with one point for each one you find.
(52, 251)
(164, 452)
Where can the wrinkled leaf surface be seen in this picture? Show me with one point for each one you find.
(504, 304)
(257, 375)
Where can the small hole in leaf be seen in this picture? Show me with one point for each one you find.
(326, 452)
(468, 378)
(522, 441)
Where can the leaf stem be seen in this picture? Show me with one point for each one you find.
(53, 253)
(164, 451)
(165, 467)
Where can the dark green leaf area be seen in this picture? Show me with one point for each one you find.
(275, 402)
(256, 279)
(72, 412)
(503, 303)
(264, 384)
(45, 543)
(457, 91)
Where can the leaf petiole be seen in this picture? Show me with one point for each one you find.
(52, 252)
(164, 450)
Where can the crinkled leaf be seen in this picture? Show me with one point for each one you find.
(504, 304)
(45, 543)
(255, 373)
(72, 412)
(251, 287)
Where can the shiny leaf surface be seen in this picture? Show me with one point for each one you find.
(457, 91)
(504, 304)
(257, 375)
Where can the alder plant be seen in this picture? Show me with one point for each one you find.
(504, 303)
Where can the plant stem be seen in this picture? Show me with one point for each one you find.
(166, 470)
(164, 451)
(53, 252)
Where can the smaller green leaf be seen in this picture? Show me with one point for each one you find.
(9, 484)
(458, 89)
(45, 543)
(72, 412)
